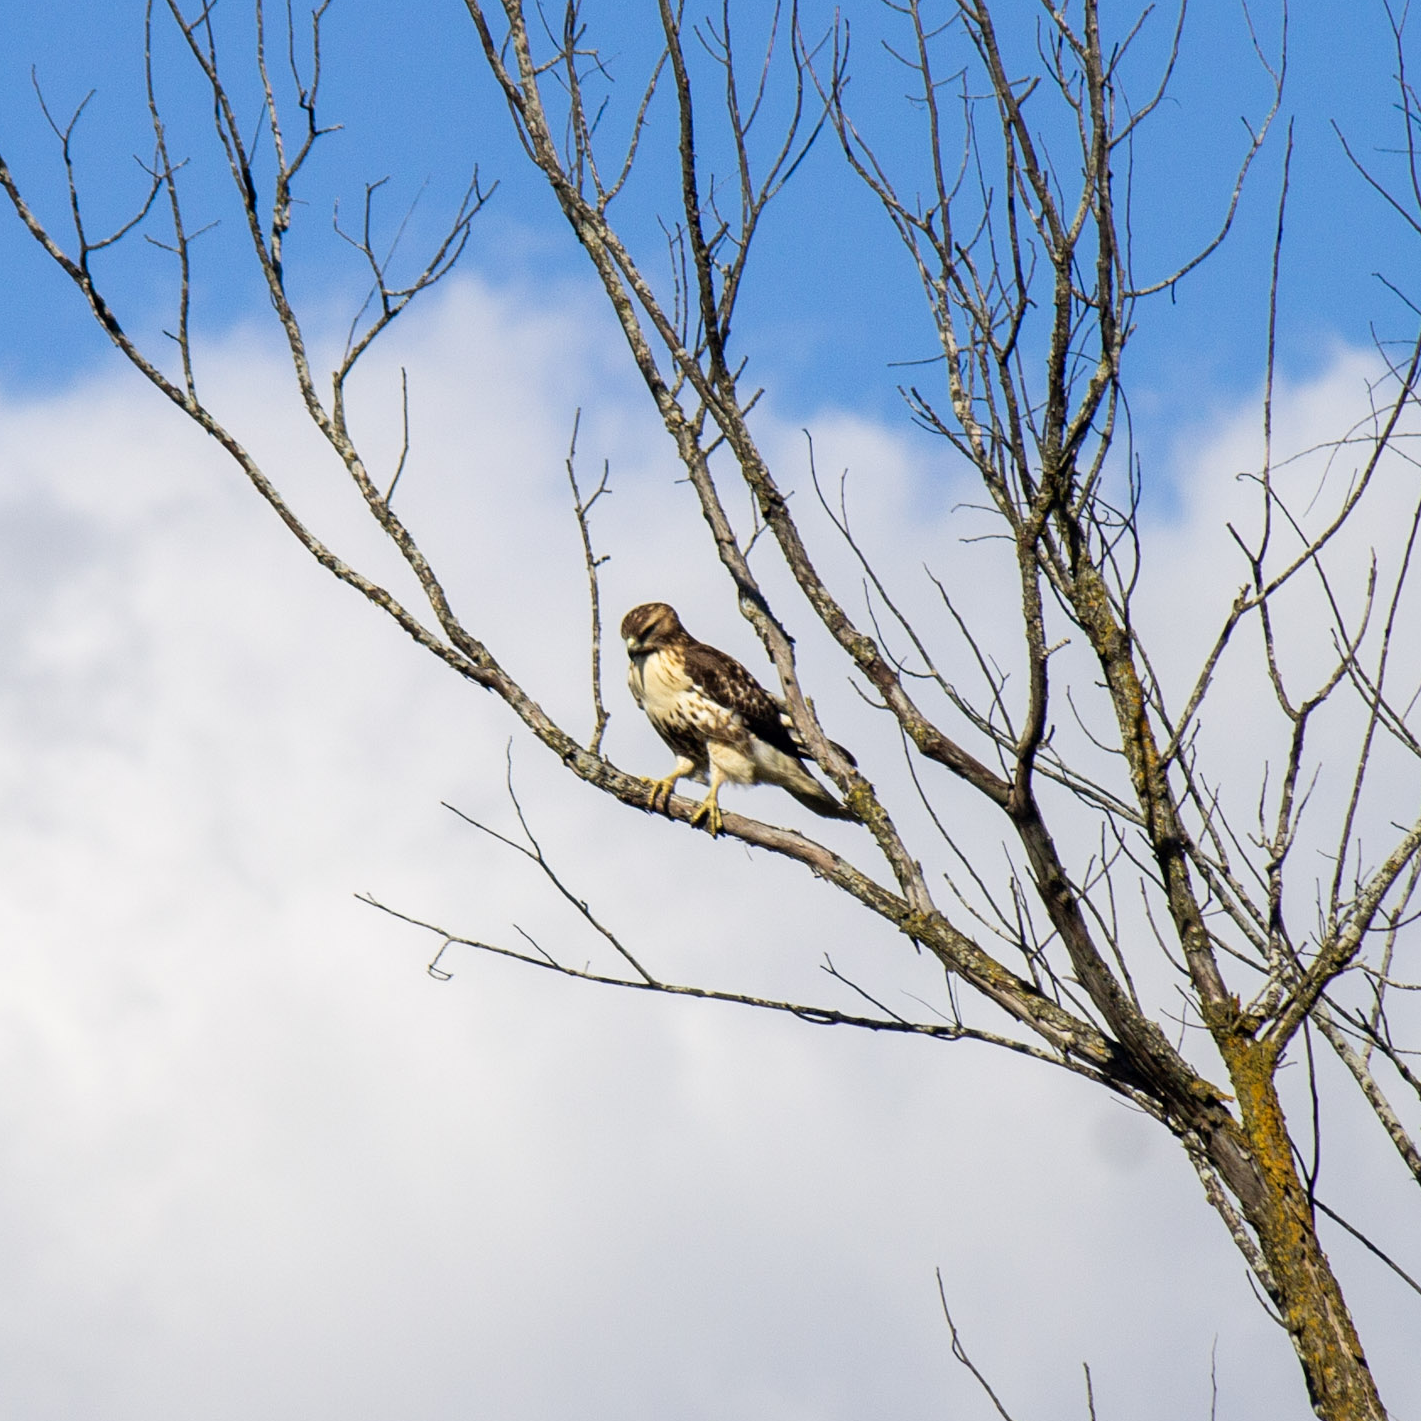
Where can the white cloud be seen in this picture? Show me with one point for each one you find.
(255, 1162)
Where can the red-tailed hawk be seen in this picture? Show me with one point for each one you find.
(716, 716)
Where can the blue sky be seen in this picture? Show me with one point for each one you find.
(257, 1163)
(415, 105)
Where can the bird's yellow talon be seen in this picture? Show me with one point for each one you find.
(710, 812)
(661, 790)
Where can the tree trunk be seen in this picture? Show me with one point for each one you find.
(1319, 1324)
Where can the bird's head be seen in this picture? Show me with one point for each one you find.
(650, 627)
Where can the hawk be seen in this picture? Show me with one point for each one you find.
(716, 716)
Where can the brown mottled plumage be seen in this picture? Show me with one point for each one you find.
(722, 724)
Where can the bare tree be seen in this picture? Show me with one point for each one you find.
(1016, 222)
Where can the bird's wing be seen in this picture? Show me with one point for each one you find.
(725, 681)
(729, 684)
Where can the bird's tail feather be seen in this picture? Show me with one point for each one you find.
(801, 748)
(821, 802)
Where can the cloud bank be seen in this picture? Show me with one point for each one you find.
(257, 1162)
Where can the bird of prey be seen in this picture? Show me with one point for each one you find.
(722, 724)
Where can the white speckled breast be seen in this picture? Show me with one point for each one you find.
(657, 685)
(683, 715)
